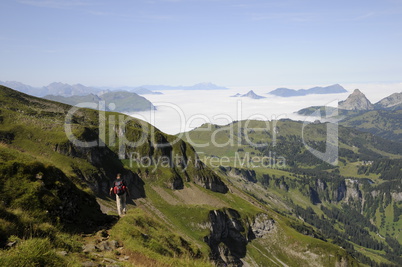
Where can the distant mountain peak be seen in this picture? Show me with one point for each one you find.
(253, 95)
(357, 92)
(356, 101)
(57, 83)
(250, 94)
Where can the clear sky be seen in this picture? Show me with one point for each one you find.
(174, 42)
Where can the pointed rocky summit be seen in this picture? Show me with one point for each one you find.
(250, 94)
(253, 95)
(356, 101)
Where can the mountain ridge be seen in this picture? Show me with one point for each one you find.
(122, 101)
(393, 101)
(286, 92)
(381, 118)
(67, 90)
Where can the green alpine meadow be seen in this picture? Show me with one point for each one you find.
(249, 193)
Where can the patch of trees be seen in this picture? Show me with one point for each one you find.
(354, 230)
(389, 169)
(348, 217)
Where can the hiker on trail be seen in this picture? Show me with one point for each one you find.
(120, 189)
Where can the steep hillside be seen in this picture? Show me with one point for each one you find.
(182, 213)
(50, 181)
(354, 204)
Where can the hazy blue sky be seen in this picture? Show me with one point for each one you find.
(227, 42)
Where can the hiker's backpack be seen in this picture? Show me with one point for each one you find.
(119, 187)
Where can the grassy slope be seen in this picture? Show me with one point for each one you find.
(30, 130)
(384, 123)
(380, 122)
(278, 198)
(241, 139)
(284, 245)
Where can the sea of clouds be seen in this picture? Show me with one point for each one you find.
(183, 110)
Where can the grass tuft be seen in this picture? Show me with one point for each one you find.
(32, 252)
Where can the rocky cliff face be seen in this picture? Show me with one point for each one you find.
(352, 192)
(208, 179)
(248, 175)
(356, 101)
(340, 191)
(346, 190)
(227, 243)
(100, 181)
(180, 160)
(260, 226)
(228, 238)
(108, 165)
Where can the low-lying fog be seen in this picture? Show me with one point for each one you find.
(183, 110)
